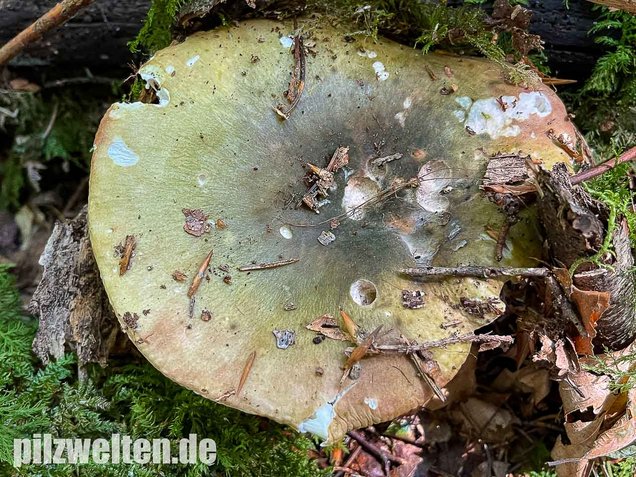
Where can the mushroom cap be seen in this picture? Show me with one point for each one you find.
(213, 144)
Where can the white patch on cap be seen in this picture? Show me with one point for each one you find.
(371, 402)
(118, 109)
(358, 191)
(401, 116)
(152, 75)
(121, 154)
(318, 424)
(487, 116)
(286, 41)
(380, 72)
(193, 60)
(286, 232)
(169, 69)
(367, 54)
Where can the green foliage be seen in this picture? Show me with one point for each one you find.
(430, 25)
(615, 71)
(621, 370)
(45, 129)
(156, 32)
(134, 399)
(606, 111)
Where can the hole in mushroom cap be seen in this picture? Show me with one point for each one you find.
(363, 292)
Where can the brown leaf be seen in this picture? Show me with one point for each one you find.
(327, 326)
(349, 325)
(591, 305)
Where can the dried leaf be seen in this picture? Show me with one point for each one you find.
(349, 326)
(327, 326)
(591, 305)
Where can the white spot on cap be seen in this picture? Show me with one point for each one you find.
(286, 232)
(358, 191)
(464, 101)
(152, 76)
(169, 69)
(118, 109)
(318, 424)
(286, 41)
(371, 402)
(121, 154)
(380, 72)
(497, 117)
(367, 54)
(193, 60)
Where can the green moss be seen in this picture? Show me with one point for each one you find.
(132, 399)
(47, 129)
(462, 29)
(156, 32)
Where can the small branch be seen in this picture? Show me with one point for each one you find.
(382, 456)
(380, 161)
(474, 271)
(267, 266)
(451, 340)
(627, 156)
(56, 16)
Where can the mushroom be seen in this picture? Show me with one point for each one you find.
(410, 137)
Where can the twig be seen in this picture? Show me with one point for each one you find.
(378, 453)
(267, 266)
(246, 372)
(56, 16)
(474, 271)
(380, 161)
(196, 281)
(297, 82)
(501, 240)
(451, 340)
(627, 156)
(346, 466)
(129, 248)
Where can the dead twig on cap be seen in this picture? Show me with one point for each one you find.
(297, 81)
(56, 16)
(267, 266)
(474, 271)
(196, 281)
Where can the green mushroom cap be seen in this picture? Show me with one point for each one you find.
(211, 166)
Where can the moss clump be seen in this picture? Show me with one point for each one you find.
(156, 32)
(135, 400)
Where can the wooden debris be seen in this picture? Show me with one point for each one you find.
(323, 179)
(56, 16)
(268, 266)
(359, 352)
(246, 372)
(326, 325)
(127, 253)
(412, 300)
(451, 340)
(196, 222)
(179, 276)
(474, 271)
(381, 161)
(297, 81)
(196, 281)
